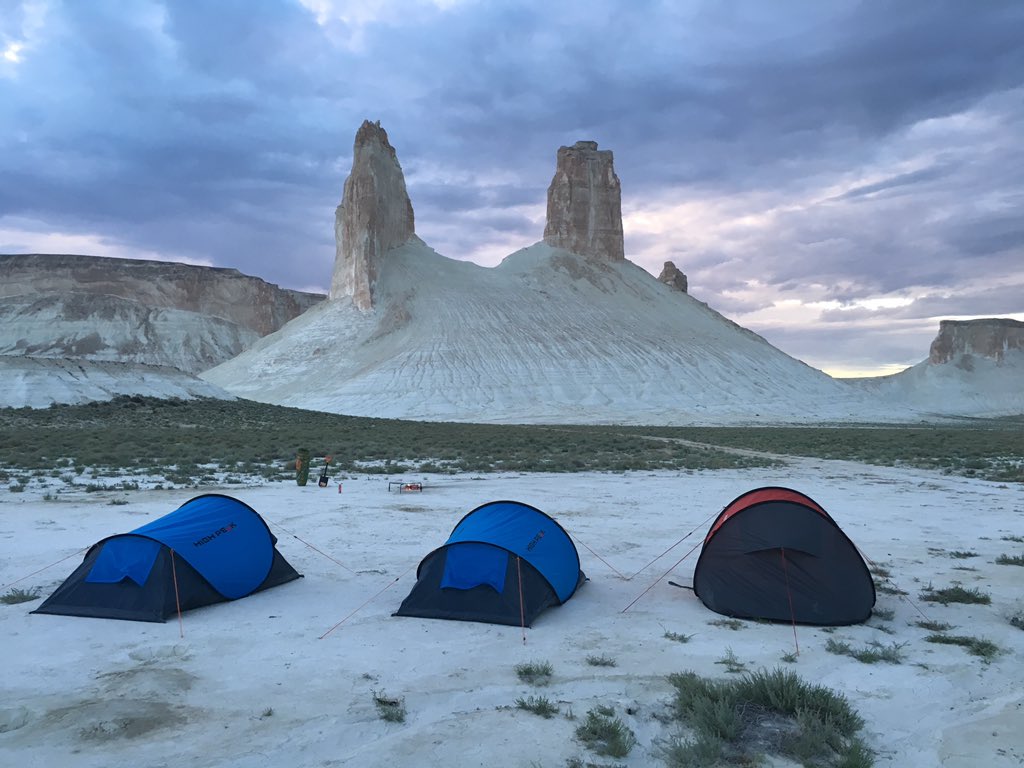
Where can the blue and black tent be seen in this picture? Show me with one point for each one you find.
(213, 548)
(504, 563)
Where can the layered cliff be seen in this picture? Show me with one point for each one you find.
(584, 214)
(989, 338)
(974, 368)
(125, 310)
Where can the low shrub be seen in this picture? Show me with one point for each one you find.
(16, 595)
(535, 673)
(538, 705)
(605, 734)
(737, 722)
(955, 594)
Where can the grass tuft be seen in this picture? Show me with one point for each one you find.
(956, 594)
(538, 705)
(984, 649)
(934, 626)
(600, 661)
(731, 663)
(15, 596)
(733, 624)
(677, 637)
(606, 734)
(389, 708)
(1010, 560)
(737, 722)
(870, 654)
(535, 672)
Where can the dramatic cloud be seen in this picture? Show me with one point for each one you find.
(818, 170)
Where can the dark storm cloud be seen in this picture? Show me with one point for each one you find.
(223, 131)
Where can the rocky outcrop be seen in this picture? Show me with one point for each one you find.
(989, 338)
(585, 204)
(128, 310)
(375, 216)
(672, 277)
(227, 294)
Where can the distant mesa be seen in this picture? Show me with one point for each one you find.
(672, 277)
(989, 338)
(132, 310)
(974, 368)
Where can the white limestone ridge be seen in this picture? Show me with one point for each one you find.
(566, 330)
(545, 337)
(375, 215)
(38, 382)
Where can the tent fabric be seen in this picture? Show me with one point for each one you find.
(758, 495)
(471, 565)
(504, 563)
(524, 594)
(775, 554)
(221, 537)
(529, 533)
(212, 549)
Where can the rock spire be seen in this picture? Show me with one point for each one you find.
(585, 204)
(672, 277)
(375, 215)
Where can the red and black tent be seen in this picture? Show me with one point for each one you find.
(776, 554)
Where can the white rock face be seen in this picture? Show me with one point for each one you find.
(585, 204)
(374, 217)
(545, 337)
(124, 310)
(35, 382)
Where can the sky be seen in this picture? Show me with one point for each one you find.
(837, 176)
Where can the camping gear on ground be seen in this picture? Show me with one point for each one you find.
(403, 486)
(774, 553)
(504, 563)
(324, 479)
(213, 548)
(302, 466)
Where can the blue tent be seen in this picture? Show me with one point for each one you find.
(211, 549)
(504, 563)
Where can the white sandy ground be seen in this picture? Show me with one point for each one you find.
(99, 693)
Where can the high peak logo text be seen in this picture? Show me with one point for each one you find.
(535, 541)
(219, 532)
